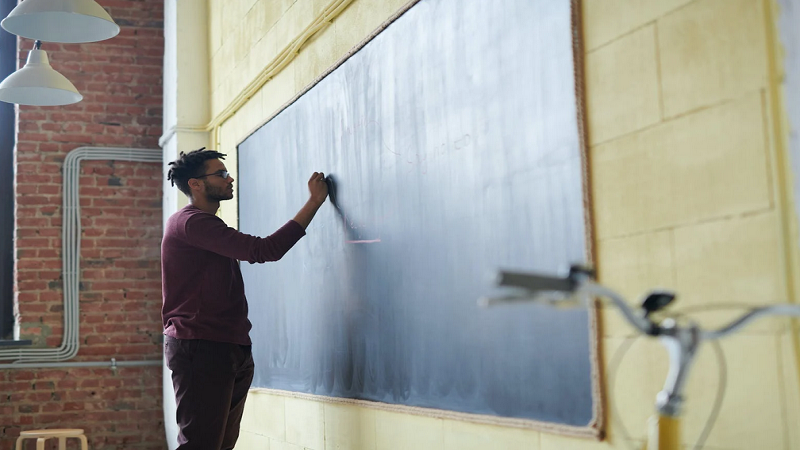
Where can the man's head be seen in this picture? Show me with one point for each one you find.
(202, 172)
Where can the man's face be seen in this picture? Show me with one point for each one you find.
(217, 188)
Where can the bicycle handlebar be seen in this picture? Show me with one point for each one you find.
(680, 341)
(773, 310)
(575, 288)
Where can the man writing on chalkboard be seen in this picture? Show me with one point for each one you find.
(207, 342)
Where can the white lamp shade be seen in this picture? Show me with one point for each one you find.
(70, 21)
(38, 84)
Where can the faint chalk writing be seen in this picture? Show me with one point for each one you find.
(418, 161)
(362, 130)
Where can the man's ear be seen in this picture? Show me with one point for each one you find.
(194, 183)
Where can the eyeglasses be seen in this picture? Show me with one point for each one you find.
(224, 174)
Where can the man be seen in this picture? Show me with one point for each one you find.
(207, 342)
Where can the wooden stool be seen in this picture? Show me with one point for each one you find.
(42, 436)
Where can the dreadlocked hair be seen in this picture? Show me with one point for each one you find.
(190, 165)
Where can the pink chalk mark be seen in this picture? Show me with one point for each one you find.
(365, 241)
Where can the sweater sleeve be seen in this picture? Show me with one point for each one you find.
(210, 233)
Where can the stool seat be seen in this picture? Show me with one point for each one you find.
(53, 432)
(61, 434)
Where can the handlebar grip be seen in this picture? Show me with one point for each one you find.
(535, 283)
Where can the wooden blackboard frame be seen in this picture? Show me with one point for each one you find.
(596, 428)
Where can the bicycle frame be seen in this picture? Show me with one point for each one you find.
(664, 433)
(664, 429)
(682, 343)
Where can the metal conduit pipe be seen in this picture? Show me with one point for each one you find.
(112, 364)
(71, 246)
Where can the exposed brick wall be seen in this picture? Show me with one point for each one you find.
(120, 298)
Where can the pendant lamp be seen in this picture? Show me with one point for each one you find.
(67, 21)
(38, 84)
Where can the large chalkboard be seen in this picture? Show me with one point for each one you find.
(453, 141)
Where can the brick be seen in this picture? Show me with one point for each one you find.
(25, 157)
(26, 189)
(27, 242)
(23, 178)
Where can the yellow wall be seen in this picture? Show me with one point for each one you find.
(690, 193)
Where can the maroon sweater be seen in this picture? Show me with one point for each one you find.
(201, 281)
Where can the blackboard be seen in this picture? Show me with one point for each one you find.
(453, 140)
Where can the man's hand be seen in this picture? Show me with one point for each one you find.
(319, 192)
(318, 187)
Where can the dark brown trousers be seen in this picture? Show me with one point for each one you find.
(211, 380)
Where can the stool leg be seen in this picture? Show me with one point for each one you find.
(19, 443)
(40, 443)
(62, 443)
(84, 444)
